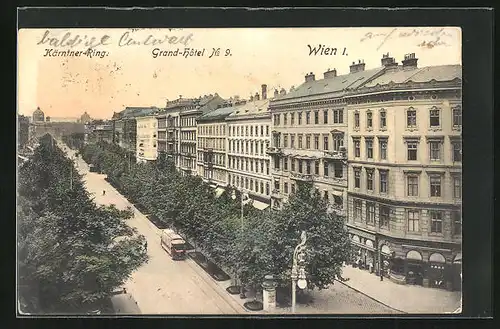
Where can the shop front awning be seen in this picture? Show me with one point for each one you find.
(437, 258)
(260, 205)
(385, 250)
(218, 191)
(415, 255)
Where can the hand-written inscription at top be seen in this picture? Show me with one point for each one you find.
(431, 37)
(126, 39)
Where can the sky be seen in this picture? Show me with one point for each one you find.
(129, 75)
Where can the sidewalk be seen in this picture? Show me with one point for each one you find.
(406, 298)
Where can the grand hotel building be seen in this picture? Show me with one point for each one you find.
(384, 147)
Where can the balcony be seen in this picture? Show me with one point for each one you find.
(274, 150)
(335, 155)
(302, 177)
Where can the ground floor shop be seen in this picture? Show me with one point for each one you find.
(403, 261)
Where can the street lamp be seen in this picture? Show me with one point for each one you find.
(298, 270)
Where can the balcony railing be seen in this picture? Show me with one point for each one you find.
(276, 194)
(274, 150)
(302, 177)
(335, 155)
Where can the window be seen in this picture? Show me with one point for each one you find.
(300, 141)
(316, 167)
(325, 143)
(292, 118)
(262, 167)
(316, 142)
(356, 120)
(383, 181)
(358, 208)
(369, 148)
(457, 222)
(369, 120)
(435, 185)
(369, 179)
(370, 213)
(308, 142)
(292, 165)
(285, 140)
(412, 182)
(436, 221)
(325, 116)
(285, 187)
(292, 187)
(383, 149)
(308, 167)
(338, 117)
(413, 219)
(276, 162)
(411, 117)
(357, 148)
(383, 119)
(412, 150)
(434, 117)
(308, 118)
(292, 141)
(262, 130)
(267, 188)
(338, 170)
(357, 178)
(383, 216)
(267, 130)
(434, 150)
(457, 116)
(457, 187)
(246, 128)
(325, 169)
(316, 117)
(300, 118)
(300, 166)
(285, 163)
(261, 187)
(457, 151)
(338, 142)
(285, 119)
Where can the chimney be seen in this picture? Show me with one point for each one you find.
(410, 61)
(360, 66)
(256, 96)
(264, 91)
(388, 61)
(330, 74)
(276, 93)
(282, 91)
(310, 77)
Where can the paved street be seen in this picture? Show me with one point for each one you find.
(163, 286)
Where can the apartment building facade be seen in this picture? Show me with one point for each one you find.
(147, 133)
(125, 126)
(309, 136)
(248, 163)
(168, 137)
(212, 146)
(404, 172)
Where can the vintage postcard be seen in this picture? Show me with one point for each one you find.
(240, 171)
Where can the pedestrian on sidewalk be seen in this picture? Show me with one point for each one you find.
(103, 192)
(146, 246)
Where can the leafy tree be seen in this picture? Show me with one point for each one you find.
(71, 251)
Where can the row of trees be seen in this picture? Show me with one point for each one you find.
(71, 252)
(260, 244)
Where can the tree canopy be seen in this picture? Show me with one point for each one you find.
(68, 253)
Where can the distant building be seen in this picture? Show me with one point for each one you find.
(85, 118)
(249, 137)
(125, 126)
(146, 138)
(99, 132)
(38, 115)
